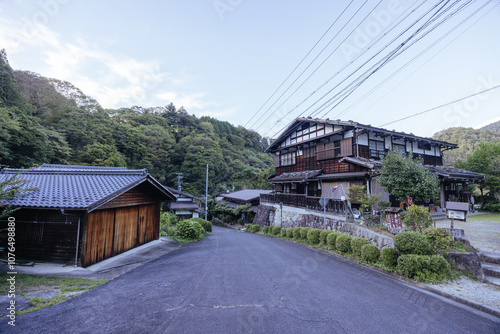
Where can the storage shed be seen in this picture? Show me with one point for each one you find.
(85, 213)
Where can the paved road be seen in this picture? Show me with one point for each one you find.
(236, 282)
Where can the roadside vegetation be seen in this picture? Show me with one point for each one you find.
(56, 289)
(417, 255)
(183, 231)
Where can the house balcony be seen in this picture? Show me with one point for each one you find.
(335, 206)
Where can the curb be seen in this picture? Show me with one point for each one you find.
(473, 304)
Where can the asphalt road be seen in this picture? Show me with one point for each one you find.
(236, 282)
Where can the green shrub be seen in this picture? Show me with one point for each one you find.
(303, 232)
(416, 218)
(423, 267)
(168, 220)
(331, 239)
(439, 239)
(276, 230)
(370, 253)
(343, 243)
(389, 257)
(289, 233)
(248, 227)
(296, 232)
(256, 228)
(283, 232)
(313, 236)
(240, 221)
(356, 245)
(189, 229)
(412, 243)
(323, 235)
(207, 226)
(491, 207)
(265, 229)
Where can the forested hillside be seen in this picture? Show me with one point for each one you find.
(467, 139)
(49, 121)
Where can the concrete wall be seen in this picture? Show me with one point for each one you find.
(298, 217)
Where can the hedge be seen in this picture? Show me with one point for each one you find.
(343, 243)
(412, 243)
(332, 238)
(276, 230)
(427, 268)
(389, 257)
(356, 245)
(303, 232)
(283, 232)
(296, 232)
(370, 253)
(207, 226)
(189, 229)
(323, 235)
(289, 233)
(313, 235)
(265, 229)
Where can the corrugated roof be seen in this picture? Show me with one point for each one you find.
(74, 187)
(246, 195)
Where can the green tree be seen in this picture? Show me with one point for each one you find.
(12, 187)
(486, 160)
(404, 176)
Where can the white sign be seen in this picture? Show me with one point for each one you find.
(454, 214)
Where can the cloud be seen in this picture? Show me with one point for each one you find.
(186, 100)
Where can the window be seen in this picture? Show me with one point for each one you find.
(309, 152)
(377, 149)
(424, 146)
(399, 148)
(287, 159)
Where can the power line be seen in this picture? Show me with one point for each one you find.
(289, 75)
(441, 106)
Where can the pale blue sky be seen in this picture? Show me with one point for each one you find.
(224, 58)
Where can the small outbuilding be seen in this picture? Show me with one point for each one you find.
(185, 206)
(85, 213)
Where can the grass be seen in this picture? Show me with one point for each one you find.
(30, 283)
(487, 217)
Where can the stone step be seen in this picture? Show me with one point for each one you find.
(489, 257)
(493, 280)
(491, 269)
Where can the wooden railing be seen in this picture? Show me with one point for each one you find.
(303, 201)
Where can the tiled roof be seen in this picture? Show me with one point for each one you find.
(183, 206)
(76, 187)
(295, 176)
(182, 194)
(246, 195)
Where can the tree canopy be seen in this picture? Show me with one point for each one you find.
(404, 175)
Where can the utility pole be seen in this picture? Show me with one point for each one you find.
(233, 187)
(179, 177)
(206, 197)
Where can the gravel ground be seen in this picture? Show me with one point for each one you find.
(486, 294)
(482, 230)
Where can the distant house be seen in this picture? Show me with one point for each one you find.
(315, 158)
(184, 205)
(243, 197)
(85, 213)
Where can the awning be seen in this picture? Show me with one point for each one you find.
(340, 176)
(295, 176)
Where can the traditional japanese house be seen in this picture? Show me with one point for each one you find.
(315, 158)
(244, 197)
(84, 214)
(185, 205)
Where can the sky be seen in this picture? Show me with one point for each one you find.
(226, 58)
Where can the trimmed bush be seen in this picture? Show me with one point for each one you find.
(207, 226)
(276, 230)
(356, 245)
(255, 228)
(188, 229)
(323, 235)
(343, 243)
(332, 238)
(439, 239)
(423, 267)
(313, 236)
(283, 232)
(412, 243)
(289, 233)
(296, 232)
(265, 229)
(389, 257)
(248, 228)
(370, 253)
(303, 232)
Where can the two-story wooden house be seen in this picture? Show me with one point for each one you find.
(315, 158)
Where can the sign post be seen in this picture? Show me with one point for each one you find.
(324, 201)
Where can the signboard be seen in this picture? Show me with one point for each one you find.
(323, 201)
(394, 222)
(455, 214)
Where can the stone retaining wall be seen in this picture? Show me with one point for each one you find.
(298, 217)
